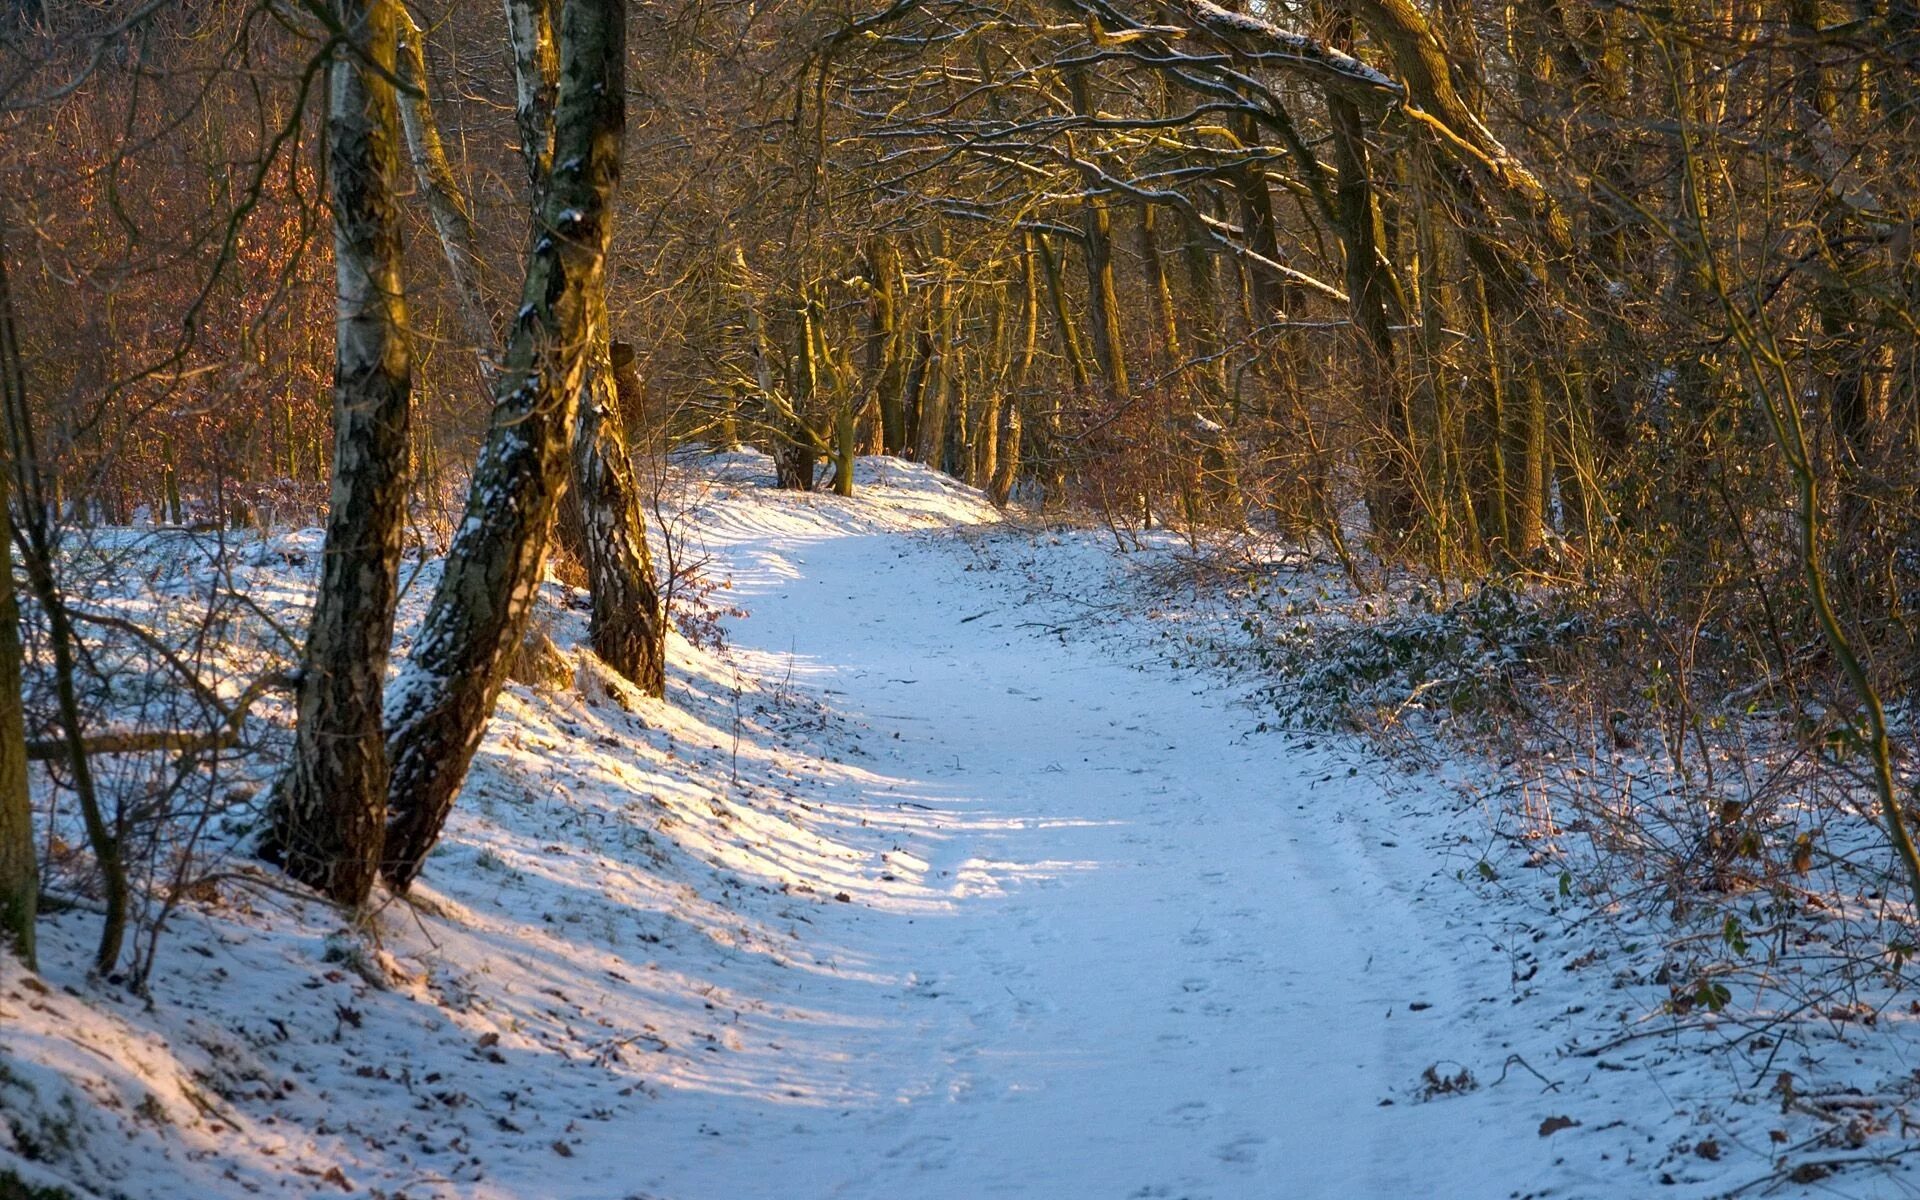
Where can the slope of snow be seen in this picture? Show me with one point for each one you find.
(911, 890)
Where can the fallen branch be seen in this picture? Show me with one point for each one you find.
(177, 741)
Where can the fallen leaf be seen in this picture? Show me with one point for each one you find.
(1553, 1125)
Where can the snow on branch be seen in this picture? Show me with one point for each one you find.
(1269, 41)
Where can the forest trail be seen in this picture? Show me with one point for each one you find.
(938, 882)
(1162, 957)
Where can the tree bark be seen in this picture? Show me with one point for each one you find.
(1390, 483)
(887, 348)
(1096, 223)
(536, 80)
(629, 623)
(446, 203)
(328, 812)
(19, 865)
(437, 710)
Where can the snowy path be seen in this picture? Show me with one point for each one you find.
(1167, 960)
(906, 896)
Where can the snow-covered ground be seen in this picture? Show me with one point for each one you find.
(916, 889)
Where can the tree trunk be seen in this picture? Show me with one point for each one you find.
(605, 519)
(19, 865)
(886, 346)
(1390, 490)
(437, 710)
(1006, 463)
(930, 446)
(1268, 291)
(628, 627)
(536, 80)
(328, 812)
(36, 539)
(446, 203)
(1097, 239)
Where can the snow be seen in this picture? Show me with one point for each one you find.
(936, 881)
(1304, 47)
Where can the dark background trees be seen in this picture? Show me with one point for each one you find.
(1614, 301)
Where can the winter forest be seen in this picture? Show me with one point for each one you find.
(1074, 599)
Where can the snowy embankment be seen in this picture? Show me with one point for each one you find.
(919, 887)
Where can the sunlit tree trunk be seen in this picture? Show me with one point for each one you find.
(937, 387)
(434, 176)
(437, 710)
(887, 346)
(628, 624)
(328, 813)
(1096, 236)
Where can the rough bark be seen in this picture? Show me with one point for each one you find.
(438, 708)
(536, 79)
(628, 625)
(327, 822)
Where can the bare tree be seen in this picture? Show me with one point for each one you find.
(438, 708)
(19, 864)
(328, 813)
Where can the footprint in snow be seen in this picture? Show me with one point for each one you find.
(930, 1151)
(1241, 1151)
(1193, 1112)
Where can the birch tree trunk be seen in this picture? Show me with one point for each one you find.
(628, 626)
(536, 80)
(327, 818)
(437, 710)
(452, 216)
(628, 622)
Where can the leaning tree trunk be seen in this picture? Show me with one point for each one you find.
(327, 818)
(628, 627)
(19, 866)
(437, 710)
(629, 622)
